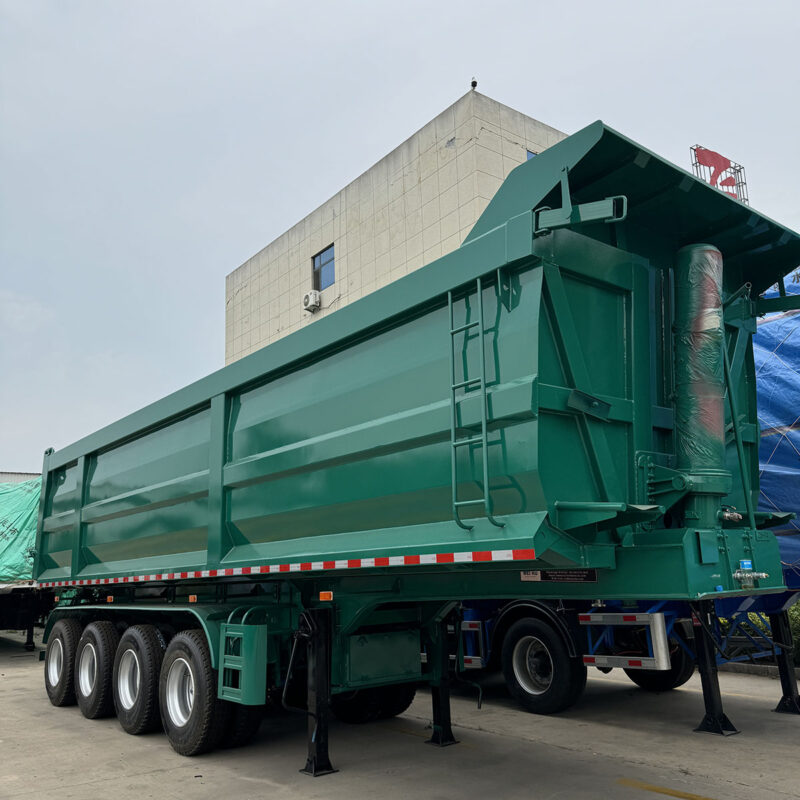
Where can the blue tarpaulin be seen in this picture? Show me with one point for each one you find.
(776, 348)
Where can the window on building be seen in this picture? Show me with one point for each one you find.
(531, 154)
(323, 272)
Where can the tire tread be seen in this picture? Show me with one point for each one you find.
(101, 703)
(69, 630)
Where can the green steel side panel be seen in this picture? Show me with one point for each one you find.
(392, 655)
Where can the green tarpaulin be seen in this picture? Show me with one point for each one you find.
(19, 510)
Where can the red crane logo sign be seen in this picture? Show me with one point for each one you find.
(720, 172)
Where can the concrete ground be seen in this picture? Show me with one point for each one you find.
(618, 742)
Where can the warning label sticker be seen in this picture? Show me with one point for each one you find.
(560, 575)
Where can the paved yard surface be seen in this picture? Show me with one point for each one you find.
(618, 742)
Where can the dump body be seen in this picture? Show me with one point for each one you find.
(540, 354)
(561, 412)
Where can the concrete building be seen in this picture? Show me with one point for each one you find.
(17, 477)
(416, 204)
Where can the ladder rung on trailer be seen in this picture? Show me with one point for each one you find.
(468, 383)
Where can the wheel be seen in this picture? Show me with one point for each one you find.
(539, 672)
(394, 700)
(59, 662)
(243, 725)
(137, 667)
(94, 667)
(681, 669)
(357, 707)
(193, 718)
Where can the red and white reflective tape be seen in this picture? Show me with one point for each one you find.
(620, 661)
(468, 557)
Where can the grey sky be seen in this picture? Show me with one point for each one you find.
(148, 148)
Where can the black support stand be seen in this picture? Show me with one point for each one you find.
(782, 639)
(29, 645)
(714, 720)
(319, 693)
(442, 734)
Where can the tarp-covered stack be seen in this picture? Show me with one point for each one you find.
(19, 508)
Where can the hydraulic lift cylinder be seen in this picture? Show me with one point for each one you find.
(700, 381)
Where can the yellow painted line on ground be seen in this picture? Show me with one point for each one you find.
(649, 787)
(408, 732)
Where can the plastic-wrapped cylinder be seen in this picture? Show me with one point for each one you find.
(699, 376)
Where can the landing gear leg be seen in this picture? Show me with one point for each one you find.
(782, 639)
(29, 645)
(439, 655)
(319, 693)
(714, 720)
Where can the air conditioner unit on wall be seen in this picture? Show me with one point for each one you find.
(311, 301)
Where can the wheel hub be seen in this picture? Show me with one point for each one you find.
(533, 665)
(180, 692)
(129, 679)
(55, 662)
(87, 669)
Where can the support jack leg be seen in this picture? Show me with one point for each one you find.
(29, 645)
(782, 640)
(715, 720)
(319, 693)
(442, 734)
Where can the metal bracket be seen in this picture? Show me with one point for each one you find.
(663, 485)
(608, 210)
(657, 659)
(575, 514)
(588, 404)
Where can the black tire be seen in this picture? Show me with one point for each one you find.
(394, 700)
(357, 707)
(59, 662)
(137, 669)
(539, 672)
(194, 723)
(243, 725)
(94, 667)
(665, 680)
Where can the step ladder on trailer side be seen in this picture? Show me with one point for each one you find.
(459, 391)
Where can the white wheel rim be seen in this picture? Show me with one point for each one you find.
(55, 662)
(87, 669)
(533, 665)
(180, 692)
(128, 679)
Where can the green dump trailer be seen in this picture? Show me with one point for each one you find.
(569, 393)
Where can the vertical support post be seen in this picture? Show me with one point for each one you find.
(319, 693)
(29, 645)
(79, 531)
(439, 655)
(39, 559)
(219, 540)
(714, 720)
(782, 641)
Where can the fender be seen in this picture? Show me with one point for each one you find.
(514, 610)
(210, 618)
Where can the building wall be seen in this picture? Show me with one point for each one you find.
(416, 204)
(17, 477)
